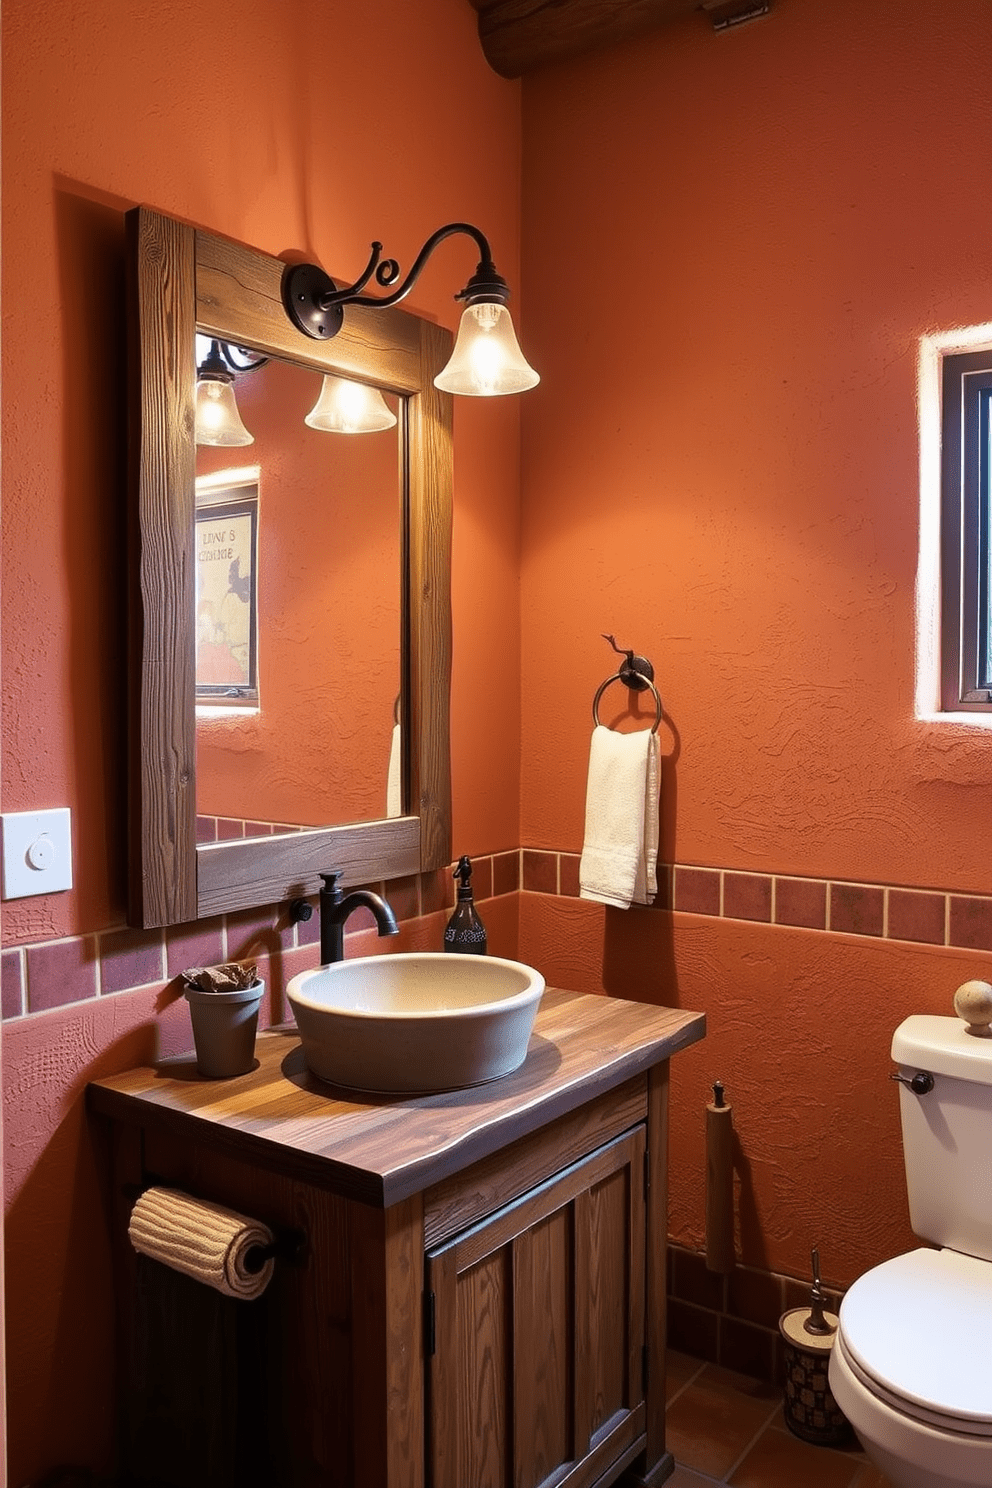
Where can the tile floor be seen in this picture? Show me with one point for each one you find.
(725, 1428)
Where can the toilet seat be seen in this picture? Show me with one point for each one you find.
(917, 1332)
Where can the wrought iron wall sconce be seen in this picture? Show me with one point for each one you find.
(486, 360)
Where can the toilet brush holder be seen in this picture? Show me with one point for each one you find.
(811, 1412)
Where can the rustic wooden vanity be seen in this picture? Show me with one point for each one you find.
(480, 1296)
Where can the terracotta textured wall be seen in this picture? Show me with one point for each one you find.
(220, 116)
(732, 244)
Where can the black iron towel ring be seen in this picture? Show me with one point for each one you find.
(637, 673)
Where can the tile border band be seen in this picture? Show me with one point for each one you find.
(940, 918)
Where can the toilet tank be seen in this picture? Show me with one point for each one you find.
(947, 1133)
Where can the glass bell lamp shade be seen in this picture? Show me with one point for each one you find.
(486, 361)
(217, 418)
(346, 407)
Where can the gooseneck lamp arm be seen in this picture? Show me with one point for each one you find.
(315, 304)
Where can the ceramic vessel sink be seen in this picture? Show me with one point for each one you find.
(417, 1022)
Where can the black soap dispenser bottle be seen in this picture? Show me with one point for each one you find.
(465, 932)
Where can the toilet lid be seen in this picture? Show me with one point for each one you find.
(919, 1330)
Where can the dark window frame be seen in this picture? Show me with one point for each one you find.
(966, 498)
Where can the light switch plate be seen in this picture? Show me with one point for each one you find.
(37, 852)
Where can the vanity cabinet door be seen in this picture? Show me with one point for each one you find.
(536, 1317)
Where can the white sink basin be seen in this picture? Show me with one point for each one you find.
(417, 1022)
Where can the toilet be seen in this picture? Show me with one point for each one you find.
(911, 1364)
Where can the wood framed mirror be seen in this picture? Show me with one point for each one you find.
(183, 281)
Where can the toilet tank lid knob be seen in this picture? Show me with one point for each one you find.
(973, 1003)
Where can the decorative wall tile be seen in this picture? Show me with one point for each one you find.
(876, 910)
(186, 946)
(12, 983)
(482, 880)
(693, 1330)
(61, 971)
(540, 871)
(857, 909)
(697, 890)
(802, 902)
(568, 874)
(916, 916)
(692, 1281)
(506, 872)
(755, 1296)
(747, 896)
(666, 880)
(256, 932)
(130, 958)
(971, 923)
(733, 1320)
(749, 1349)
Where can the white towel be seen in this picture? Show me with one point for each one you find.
(394, 775)
(201, 1239)
(620, 851)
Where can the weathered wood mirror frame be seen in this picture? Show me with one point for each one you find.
(180, 279)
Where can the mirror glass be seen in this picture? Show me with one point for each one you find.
(298, 616)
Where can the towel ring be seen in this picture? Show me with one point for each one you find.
(621, 677)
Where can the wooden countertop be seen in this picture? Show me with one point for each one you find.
(381, 1149)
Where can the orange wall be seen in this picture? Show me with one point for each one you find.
(732, 244)
(218, 115)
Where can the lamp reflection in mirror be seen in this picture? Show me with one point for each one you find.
(486, 362)
(346, 407)
(218, 421)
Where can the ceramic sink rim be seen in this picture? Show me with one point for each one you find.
(532, 989)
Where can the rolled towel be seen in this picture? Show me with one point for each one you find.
(203, 1240)
(394, 775)
(620, 850)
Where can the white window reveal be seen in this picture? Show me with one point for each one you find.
(954, 592)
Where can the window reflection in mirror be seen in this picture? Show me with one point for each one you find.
(309, 735)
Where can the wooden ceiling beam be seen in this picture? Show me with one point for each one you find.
(519, 35)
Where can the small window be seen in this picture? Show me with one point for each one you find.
(966, 555)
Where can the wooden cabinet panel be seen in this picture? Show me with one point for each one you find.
(543, 1347)
(536, 1375)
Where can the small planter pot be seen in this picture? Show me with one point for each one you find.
(224, 1027)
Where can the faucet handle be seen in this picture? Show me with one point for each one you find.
(332, 884)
